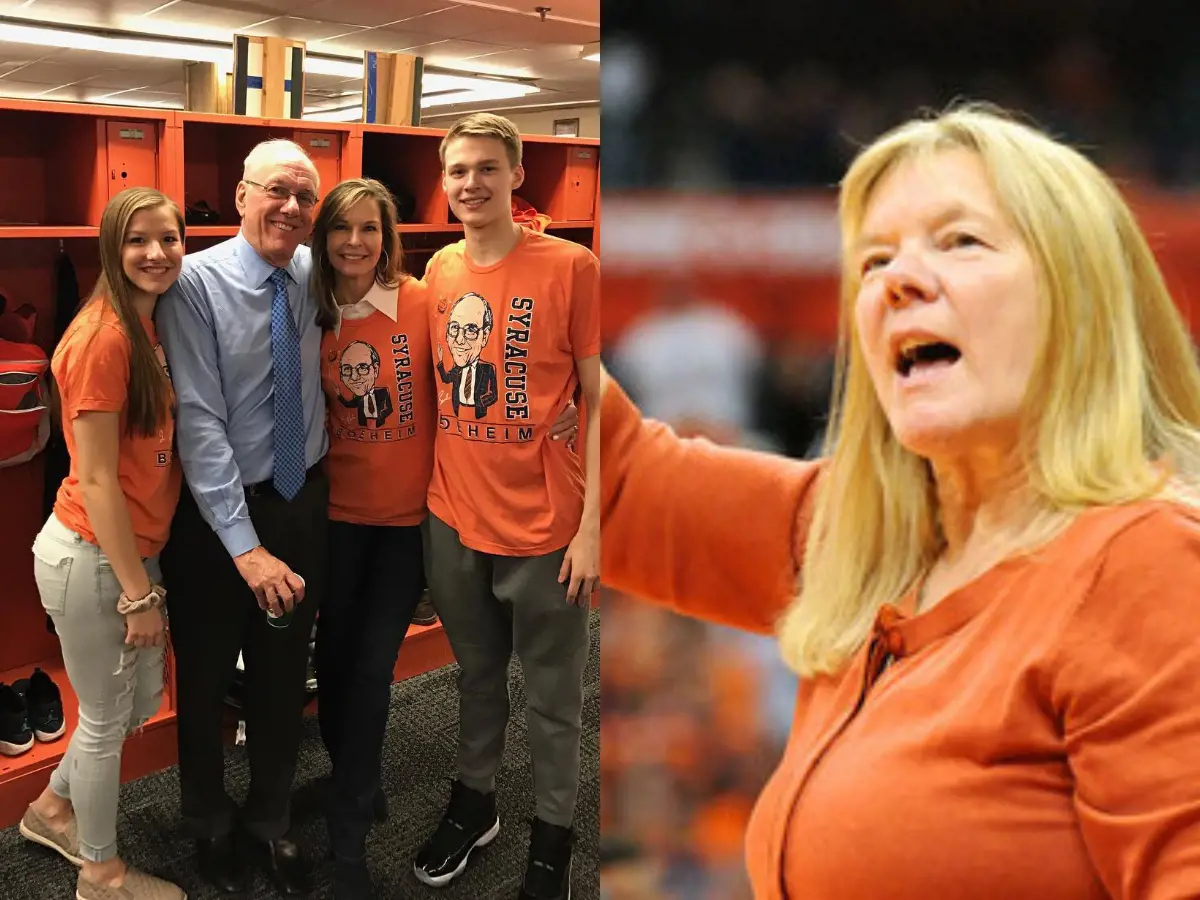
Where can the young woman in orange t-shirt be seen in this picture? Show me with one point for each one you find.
(377, 374)
(96, 558)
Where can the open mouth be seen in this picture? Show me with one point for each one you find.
(918, 356)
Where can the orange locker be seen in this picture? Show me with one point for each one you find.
(325, 150)
(132, 156)
(579, 200)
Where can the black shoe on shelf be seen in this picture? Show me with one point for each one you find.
(548, 872)
(44, 704)
(16, 737)
(470, 821)
(221, 864)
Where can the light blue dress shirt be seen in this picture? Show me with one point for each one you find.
(215, 328)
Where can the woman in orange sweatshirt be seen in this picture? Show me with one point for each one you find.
(989, 584)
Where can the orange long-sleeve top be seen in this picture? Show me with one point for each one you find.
(1036, 735)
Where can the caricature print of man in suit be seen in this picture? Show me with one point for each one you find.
(467, 333)
(359, 368)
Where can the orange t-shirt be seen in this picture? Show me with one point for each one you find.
(379, 400)
(91, 370)
(505, 340)
(1034, 736)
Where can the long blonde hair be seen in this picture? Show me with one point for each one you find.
(1114, 393)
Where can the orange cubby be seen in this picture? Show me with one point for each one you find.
(561, 178)
(62, 162)
(406, 160)
(28, 267)
(215, 149)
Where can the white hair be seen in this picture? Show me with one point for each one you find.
(274, 152)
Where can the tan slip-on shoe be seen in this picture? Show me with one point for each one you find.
(34, 828)
(137, 886)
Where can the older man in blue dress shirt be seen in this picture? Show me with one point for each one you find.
(249, 540)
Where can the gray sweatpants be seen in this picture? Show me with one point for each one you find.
(119, 687)
(491, 606)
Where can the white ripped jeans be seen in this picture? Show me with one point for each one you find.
(119, 686)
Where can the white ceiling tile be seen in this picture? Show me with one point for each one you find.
(456, 21)
(373, 12)
(316, 82)
(579, 10)
(382, 40)
(50, 74)
(528, 31)
(187, 18)
(22, 89)
(298, 29)
(448, 52)
(109, 13)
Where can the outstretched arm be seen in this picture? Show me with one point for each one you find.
(711, 532)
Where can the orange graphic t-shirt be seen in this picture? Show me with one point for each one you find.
(505, 340)
(91, 369)
(379, 401)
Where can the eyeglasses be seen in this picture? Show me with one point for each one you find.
(362, 369)
(306, 199)
(469, 331)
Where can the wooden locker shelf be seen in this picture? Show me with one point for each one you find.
(54, 164)
(49, 231)
(221, 231)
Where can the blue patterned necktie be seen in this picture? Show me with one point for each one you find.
(289, 408)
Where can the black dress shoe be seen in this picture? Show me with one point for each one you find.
(352, 880)
(284, 864)
(220, 864)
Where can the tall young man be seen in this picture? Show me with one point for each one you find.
(513, 536)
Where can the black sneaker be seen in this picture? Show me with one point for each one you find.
(470, 821)
(16, 737)
(44, 704)
(548, 873)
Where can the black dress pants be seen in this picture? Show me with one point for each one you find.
(377, 576)
(214, 616)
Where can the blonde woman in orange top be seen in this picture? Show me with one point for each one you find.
(377, 373)
(96, 560)
(989, 584)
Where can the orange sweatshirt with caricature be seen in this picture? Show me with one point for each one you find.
(91, 371)
(379, 401)
(505, 339)
(1037, 735)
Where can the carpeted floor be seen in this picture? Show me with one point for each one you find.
(418, 757)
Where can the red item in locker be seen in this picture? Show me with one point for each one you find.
(524, 214)
(18, 325)
(24, 414)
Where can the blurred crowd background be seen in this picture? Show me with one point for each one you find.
(772, 99)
